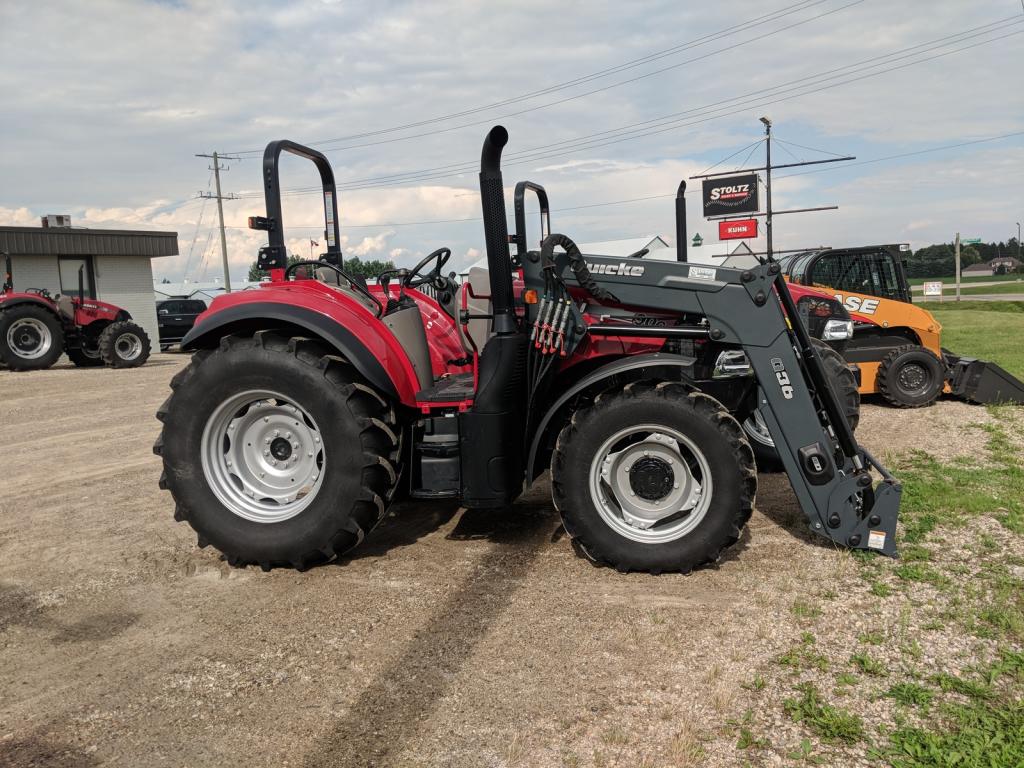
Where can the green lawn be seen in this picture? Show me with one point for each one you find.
(972, 279)
(1006, 286)
(990, 330)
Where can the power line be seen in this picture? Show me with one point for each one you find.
(632, 64)
(386, 224)
(220, 198)
(853, 73)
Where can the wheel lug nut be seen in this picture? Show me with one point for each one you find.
(267, 441)
(295, 446)
(266, 419)
(266, 453)
(310, 454)
(277, 433)
(287, 435)
(229, 462)
(263, 474)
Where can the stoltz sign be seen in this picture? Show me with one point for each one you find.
(737, 229)
(731, 195)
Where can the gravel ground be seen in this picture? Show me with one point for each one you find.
(448, 639)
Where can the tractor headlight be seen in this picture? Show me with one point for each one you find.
(837, 330)
(731, 364)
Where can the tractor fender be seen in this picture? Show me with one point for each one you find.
(252, 316)
(633, 364)
(24, 298)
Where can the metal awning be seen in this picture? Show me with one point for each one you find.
(68, 241)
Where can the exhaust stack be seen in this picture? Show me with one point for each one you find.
(681, 222)
(499, 262)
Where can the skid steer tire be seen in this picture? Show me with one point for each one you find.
(843, 382)
(687, 436)
(31, 338)
(124, 344)
(910, 377)
(258, 391)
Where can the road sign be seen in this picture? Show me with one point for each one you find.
(737, 229)
(970, 240)
(933, 289)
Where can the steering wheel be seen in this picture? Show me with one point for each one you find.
(434, 277)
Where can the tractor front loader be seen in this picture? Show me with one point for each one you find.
(897, 345)
(312, 402)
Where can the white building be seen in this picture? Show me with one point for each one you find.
(114, 264)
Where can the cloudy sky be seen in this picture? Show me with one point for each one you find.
(105, 105)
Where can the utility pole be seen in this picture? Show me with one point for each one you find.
(957, 260)
(768, 186)
(220, 212)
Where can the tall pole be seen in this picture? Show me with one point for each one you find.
(957, 260)
(768, 186)
(220, 214)
(1018, 242)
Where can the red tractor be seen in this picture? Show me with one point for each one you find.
(36, 328)
(314, 401)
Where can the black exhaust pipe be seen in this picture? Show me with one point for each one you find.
(499, 262)
(681, 222)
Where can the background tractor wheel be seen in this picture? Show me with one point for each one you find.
(123, 344)
(653, 478)
(911, 377)
(87, 355)
(843, 382)
(276, 452)
(31, 337)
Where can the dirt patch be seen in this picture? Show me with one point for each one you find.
(447, 639)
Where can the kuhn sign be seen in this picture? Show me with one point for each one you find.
(737, 229)
(730, 195)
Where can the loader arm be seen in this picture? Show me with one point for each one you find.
(830, 473)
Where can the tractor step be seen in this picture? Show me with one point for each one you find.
(436, 469)
(979, 381)
(451, 389)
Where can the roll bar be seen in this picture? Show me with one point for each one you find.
(275, 255)
(519, 199)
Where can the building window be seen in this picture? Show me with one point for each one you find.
(70, 267)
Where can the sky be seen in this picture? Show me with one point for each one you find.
(106, 105)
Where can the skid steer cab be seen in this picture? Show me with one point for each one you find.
(314, 402)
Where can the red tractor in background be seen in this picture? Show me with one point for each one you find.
(36, 328)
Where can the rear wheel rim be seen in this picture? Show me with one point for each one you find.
(128, 346)
(29, 338)
(263, 456)
(651, 484)
(914, 378)
(757, 429)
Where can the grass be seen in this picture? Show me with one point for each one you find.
(983, 329)
(830, 723)
(868, 665)
(1005, 286)
(911, 694)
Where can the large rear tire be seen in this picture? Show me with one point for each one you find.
(31, 337)
(911, 377)
(843, 382)
(276, 452)
(124, 344)
(653, 477)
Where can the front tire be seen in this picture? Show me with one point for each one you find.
(653, 477)
(246, 421)
(87, 355)
(844, 384)
(31, 337)
(124, 344)
(911, 377)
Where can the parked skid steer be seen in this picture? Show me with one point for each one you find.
(897, 345)
(312, 402)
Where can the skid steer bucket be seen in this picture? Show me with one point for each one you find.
(979, 381)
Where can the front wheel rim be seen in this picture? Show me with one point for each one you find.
(651, 484)
(263, 456)
(757, 429)
(29, 338)
(128, 346)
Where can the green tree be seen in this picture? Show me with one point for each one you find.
(370, 268)
(256, 274)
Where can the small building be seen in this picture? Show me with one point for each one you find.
(625, 247)
(989, 268)
(114, 264)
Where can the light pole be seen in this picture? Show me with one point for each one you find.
(1018, 242)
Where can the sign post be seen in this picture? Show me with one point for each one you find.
(933, 289)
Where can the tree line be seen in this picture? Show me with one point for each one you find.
(353, 265)
(940, 260)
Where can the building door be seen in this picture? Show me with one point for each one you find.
(70, 266)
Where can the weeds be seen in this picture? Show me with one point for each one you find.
(829, 722)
